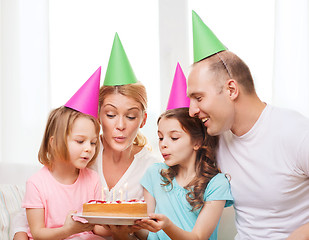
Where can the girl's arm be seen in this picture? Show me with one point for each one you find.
(151, 202)
(151, 205)
(38, 230)
(20, 236)
(204, 226)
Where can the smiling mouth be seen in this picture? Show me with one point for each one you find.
(204, 119)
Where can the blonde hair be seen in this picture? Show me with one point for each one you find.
(136, 91)
(58, 127)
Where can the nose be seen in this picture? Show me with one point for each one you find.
(120, 124)
(162, 144)
(193, 109)
(88, 147)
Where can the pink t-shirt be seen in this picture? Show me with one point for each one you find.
(44, 191)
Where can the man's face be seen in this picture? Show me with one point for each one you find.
(210, 99)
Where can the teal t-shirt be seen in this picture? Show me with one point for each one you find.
(173, 203)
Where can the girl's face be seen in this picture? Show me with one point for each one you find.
(175, 144)
(82, 142)
(121, 117)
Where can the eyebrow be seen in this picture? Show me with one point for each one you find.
(132, 108)
(194, 94)
(173, 131)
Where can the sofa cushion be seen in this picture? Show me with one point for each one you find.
(11, 196)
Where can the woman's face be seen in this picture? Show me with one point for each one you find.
(120, 118)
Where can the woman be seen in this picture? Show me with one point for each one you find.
(124, 156)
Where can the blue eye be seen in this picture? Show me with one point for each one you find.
(80, 142)
(93, 143)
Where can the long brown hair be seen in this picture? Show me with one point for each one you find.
(59, 126)
(136, 91)
(205, 164)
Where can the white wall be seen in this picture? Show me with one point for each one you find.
(291, 66)
(24, 78)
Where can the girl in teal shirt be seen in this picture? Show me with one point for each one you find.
(186, 194)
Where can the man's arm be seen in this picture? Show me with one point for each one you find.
(301, 233)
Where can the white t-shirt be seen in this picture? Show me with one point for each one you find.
(269, 169)
(142, 160)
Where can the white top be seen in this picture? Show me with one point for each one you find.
(269, 169)
(142, 160)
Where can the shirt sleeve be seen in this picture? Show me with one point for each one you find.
(303, 155)
(151, 177)
(32, 198)
(219, 189)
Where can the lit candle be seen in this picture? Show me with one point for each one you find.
(105, 194)
(121, 194)
(114, 195)
(126, 191)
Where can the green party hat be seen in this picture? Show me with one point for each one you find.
(205, 42)
(119, 70)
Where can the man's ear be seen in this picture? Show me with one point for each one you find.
(233, 88)
(144, 120)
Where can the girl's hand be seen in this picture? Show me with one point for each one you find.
(156, 222)
(74, 227)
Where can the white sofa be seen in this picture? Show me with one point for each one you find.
(12, 187)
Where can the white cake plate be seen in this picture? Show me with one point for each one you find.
(108, 220)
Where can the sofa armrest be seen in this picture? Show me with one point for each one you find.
(11, 196)
(227, 229)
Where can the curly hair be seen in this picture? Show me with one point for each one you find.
(205, 162)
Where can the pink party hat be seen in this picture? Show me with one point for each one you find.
(178, 95)
(86, 99)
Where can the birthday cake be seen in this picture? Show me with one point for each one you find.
(131, 208)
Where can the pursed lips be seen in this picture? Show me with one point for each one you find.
(119, 138)
(165, 155)
(85, 158)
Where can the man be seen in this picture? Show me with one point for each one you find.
(263, 148)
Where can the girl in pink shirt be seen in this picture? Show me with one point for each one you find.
(69, 145)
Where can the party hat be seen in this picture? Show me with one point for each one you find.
(205, 42)
(86, 99)
(119, 70)
(178, 95)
